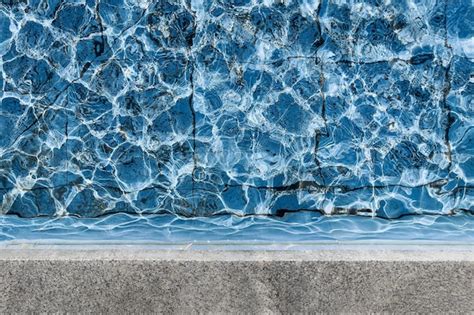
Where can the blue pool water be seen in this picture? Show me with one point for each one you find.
(291, 120)
(292, 229)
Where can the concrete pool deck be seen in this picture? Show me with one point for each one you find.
(331, 279)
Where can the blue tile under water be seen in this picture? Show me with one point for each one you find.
(292, 229)
(162, 119)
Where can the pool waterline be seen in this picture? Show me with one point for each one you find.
(294, 230)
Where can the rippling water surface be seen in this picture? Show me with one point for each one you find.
(303, 227)
(113, 109)
(245, 107)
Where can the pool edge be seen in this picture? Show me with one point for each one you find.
(181, 281)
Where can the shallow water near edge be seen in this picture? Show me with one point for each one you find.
(293, 228)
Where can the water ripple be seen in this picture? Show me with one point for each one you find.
(293, 228)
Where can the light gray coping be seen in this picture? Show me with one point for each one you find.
(323, 253)
(328, 279)
(416, 245)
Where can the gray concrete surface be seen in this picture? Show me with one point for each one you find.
(142, 281)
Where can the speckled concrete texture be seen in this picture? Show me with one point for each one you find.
(175, 282)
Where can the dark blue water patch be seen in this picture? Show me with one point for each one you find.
(300, 228)
(203, 108)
